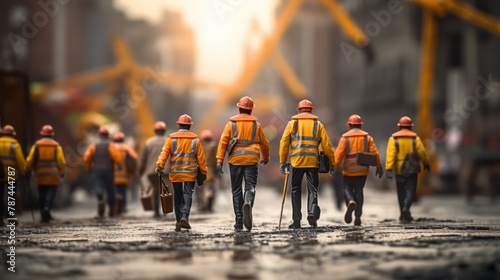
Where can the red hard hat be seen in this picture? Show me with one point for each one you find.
(206, 135)
(405, 122)
(246, 103)
(160, 126)
(8, 130)
(354, 119)
(103, 130)
(305, 105)
(118, 136)
(47, 130)
(185, 119)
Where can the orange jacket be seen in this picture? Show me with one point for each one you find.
(356, 139)
(47, 158)
(89, 156)
(305, 133)
(122, 177)
(186, 156)
(251, 141)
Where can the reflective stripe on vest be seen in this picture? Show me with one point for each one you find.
(243, 143)
(175, 154)
(314, 138)
(10, 158)
(413, 142)
(351, 157)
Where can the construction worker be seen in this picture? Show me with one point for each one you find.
(244, 141)
(400, 144)
(354, 173)
(123, 171)
(100, 159)
(12, 160)
(147, 162)
(302, 136)
(46, 157)
(186, 160)
(206, 193)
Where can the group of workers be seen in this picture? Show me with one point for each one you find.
(185, 156)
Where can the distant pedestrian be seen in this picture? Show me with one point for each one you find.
(123, 171)
(207, 192)
(100, 159)
(354, 173)
(402, 144)
(244, 141)
(183, 150)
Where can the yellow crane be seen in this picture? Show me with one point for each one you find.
(433, 9)
(267, 51)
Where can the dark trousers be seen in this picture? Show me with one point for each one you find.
(249, 173)
(407, 187)
(46, 195)
(353, 190)
(338, 190)
(312, 191)
(183, 199)
(104, 181)
(121, 190)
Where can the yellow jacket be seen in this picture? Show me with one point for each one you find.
(11, 155)
(394, 160)
(122, 177)
(186, 156)
(47, 159)
(251, 141)
(346, 157)
(302, 136)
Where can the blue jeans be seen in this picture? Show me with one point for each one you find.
(104, 180)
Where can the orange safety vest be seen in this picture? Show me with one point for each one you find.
(46, 170)
(122, 177)
(352, 142)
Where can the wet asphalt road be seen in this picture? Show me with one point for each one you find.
(449, 240)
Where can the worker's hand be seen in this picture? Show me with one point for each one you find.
(219, 167)
(264, 162)
(427, 167)
(333, 170)
(379, 172)
(158, 171)
(284, 168)
(389, 174)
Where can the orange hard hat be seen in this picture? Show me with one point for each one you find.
(354, 119)
(305, 105)
(103, 130)
(47, 130)
(246, 103)
(206, 135)
(405, 122)
(160, 126)
(118, 136)
(8, 130)
(185, 119)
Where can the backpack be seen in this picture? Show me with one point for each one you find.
(411, 162)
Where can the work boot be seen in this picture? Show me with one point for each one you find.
(185, 223)
(294, 225)
(247, 216)
(156, 215)
(101, 206)
(238, 226)
(45, 216)
(312, 221)
(357, 221)
(348, 213)
(405, 217)
(178, 227)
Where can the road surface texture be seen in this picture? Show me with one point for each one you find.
(449, 240)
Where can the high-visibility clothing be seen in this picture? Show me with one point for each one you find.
(186, 156)
(122, 176)
(46, 157)
(404, 137)
(11, 156)
(302, 136)
(102, 155)
(251, 144)
(352, 142)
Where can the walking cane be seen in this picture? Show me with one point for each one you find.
(283, 196)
